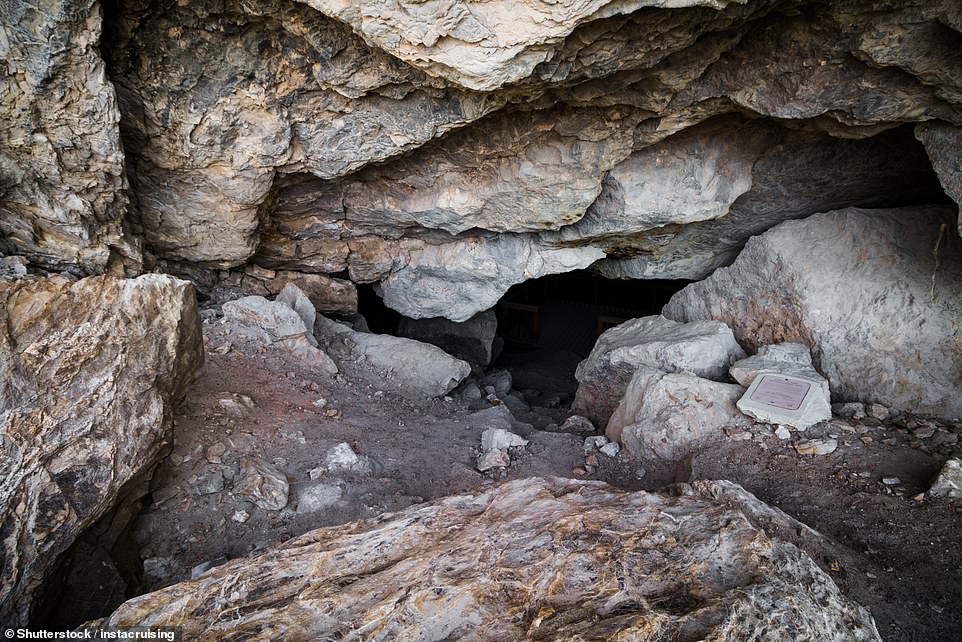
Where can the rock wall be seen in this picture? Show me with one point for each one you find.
(89, 373)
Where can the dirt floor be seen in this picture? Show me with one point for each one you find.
(888, 548)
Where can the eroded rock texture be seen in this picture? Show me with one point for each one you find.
(873, 293)
(546, 559)
(62, 185)
(89, 373)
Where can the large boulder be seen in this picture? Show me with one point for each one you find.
(471, 340)
(89, 374)
(668, 416)
(703, 349)
(550, 559)
(873, 293)
(420, 369)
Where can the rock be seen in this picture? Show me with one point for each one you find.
(501, 439)
(595, 443)
(792, 359)
(209, 483)
(341, 458)
(295, 299)
(500, 380)
(578, 425)
(669, 416)
(204, 567)
(703, 349)
(470, 340)
(610, 449)
(498, 417)
(942, 144)
(276, 325)
(491, 459)
(948, 483)
(877, 411)
(64, 195)
(857, 286)
(240, 516)
(849, 410)
(783, 399)
(236, 405)
(328, 295)
(421, 573)
(317, 497)
(471, 392)
(816, 446)
(262, 484)
(90, 372)
(417, 368)
(13, 268)
(783, 433)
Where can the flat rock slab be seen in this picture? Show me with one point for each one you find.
(89, 374)
(547, 559)
(784, 399)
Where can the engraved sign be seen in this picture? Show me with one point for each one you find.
(781, 392)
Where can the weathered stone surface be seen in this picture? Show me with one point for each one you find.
(949, 481)
(62, 184)
(775, 398)
(864, 289)
(262, 483)
(278, 326)
(501, 439)
(706, 350)
(89, 374)
(669, 416)
(415, 367)
(943, 144)
(534, 558)
(471, 340)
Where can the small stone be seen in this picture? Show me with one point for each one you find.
(816, 446)
(320, 402)
(783, 433)
(877, 411)
(640, 472)
(341, 458)
(493, 459)
(865, 439)
(891, 441)
(332, 413)
(924, 432)
(262, 484)
(216, 452)
(501, 439)
(209, 483)
(317, 497)
(611, 449)
(240, 516)
(850, 410)
(591, 461)
(595, 442)
(891, 481)
(578, 425)
(738, 434)
(235, 405)
(471, 392)
(580, 472)
(949, 481)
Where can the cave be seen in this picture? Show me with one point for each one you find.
(481, 320)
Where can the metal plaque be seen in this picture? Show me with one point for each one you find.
(781, 392)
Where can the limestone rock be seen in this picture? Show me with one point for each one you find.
(704, 349)
(317, 497)
(262, 483)
(669, 416)
(62, 184)
(775, 398)
(864, 290)
(491, 459)
(501, 439)
(471, 340)
(341, 458)
(949, 481)
(89, 374)
(277, 325)
(816, 446)
(417, 368)
(592, 562)
(943, 144)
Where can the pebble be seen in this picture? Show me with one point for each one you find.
(891, 481)
(611, 449)
(320, 402)
(877, 411)
(493, 459)
(783, 433)
(816, 446)
(595, 442)
(216, 452)
(591, 461)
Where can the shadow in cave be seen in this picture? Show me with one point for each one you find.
(549, 325)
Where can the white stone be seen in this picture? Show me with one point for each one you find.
(318, 497)
(493, 459)
(501, 439)
(816, 446)
(792, 359)
(595, 442)
(262, 484)
(704, 349)
(240, 516)
(416, 368)
(949, 481)
(785, 399)
(293, 297)
(611, 449)
(783, 433)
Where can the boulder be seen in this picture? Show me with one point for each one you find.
(871, 292)
(416, 368)
(90, 372)
(703, 349)
(280, 325)
(669, 416)
(471, 340)
(949, 481)
(553, 559)
(792, 359)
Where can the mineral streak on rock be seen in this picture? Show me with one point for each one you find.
(89, 374)
(548, 559)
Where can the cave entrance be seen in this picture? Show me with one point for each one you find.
(548, 325)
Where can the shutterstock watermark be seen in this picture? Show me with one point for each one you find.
(169, 634)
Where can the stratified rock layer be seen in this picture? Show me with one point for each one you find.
(89, 373)
(873, 293)
(547, 559)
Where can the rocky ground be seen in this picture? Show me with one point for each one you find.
(255, 413)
